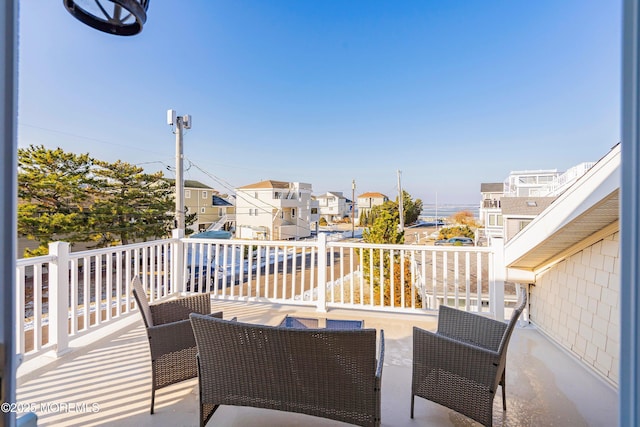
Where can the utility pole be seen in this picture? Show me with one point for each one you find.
(400, 203)
(353, 208)
(180, 122)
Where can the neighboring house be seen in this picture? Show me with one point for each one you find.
(518, 212)
(333, 206)
(490, 212)
(525, 183)
(208, 205)
(543, 183)
(569, 258)
(366, 201)
(273, 210)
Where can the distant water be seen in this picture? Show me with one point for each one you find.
(445, 211)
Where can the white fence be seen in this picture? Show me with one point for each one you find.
(67, 294)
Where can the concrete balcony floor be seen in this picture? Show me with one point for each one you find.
(108, 381)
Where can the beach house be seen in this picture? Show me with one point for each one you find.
(273, 210)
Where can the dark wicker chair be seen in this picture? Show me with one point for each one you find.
(171, 341)
(461, 365)
(321, 372)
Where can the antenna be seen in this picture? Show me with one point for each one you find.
(171, 117)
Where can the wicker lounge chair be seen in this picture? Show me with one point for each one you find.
(461, 365)
(326, 373)
(171, 341)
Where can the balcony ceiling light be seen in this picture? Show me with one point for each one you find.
(119, 17)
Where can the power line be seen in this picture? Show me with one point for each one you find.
(89, 138)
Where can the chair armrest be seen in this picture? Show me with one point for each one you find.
(380, 357)
(438, 352)
(179, 309)
(471, 328)
(171, 337)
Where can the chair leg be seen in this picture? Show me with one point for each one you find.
(504, 394)
(413, 396)
(153, 397)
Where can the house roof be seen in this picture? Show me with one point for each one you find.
(219, 201)
(491, 187)
(189, 183)
(330, 194)
(525, 206)
(265, 184)
(584, 214)
(372, 194)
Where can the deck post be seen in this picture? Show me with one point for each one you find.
(177, 262)
(322, 272)
(59, 297)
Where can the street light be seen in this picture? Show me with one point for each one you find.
(119, 17)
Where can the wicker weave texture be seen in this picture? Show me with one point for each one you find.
(171, 342)
(327, 373)
(462, 365)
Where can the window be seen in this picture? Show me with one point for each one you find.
(204, 194)
(293, 213)
(495, 220)
(203, 210)
(277, 195)
(314, 211)
(523, 224)
(187, 194)
(220, 212)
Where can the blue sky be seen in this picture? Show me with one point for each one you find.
(453, 93)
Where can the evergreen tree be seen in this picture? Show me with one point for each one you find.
(133, 205)
(64, 196)
(54, 196)
(412, 208)
(385, 229)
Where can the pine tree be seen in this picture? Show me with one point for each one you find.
(54, 196)
(133, 205)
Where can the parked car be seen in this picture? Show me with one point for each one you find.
(455, 241)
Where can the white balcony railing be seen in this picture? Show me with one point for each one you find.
(67, 294)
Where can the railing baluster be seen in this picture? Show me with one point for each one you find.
(456, 279)
(392, 279)
(86, 290)
(332, 262)
(73, 296)
(285, 251)
(467, 281)
(294, 271)
(108, 286)
(445, 276)
(267, 269)
(381, 267)
(250, 274)
(259, 271)
(352, 281)
(371, 294)
(402, 284)
(241, 270)
(37, 306)
(303, 271)
(20, 310)
(118, 283)
(479, 281)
